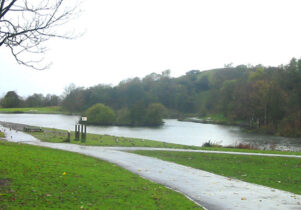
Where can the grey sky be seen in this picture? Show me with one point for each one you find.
(131, 38)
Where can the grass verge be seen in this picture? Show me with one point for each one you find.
(36, 177)
(277, 172)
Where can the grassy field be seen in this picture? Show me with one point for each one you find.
(37, 110)
(277, 172)
(55, 135)
(41, 178)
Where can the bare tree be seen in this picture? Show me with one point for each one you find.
(25, 25)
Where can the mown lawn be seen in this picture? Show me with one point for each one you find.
(277, 172)
(41, 178)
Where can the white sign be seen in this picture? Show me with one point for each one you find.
(84, 119)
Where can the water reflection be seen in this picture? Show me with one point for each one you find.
(173, 131)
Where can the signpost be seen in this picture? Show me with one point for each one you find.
(81, 130)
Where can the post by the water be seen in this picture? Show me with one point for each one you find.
(81, 130)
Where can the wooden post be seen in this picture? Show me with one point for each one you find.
(68, 136)
(77, 132)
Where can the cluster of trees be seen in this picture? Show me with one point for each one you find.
(266, 98)
(13, 100)
(138, 115)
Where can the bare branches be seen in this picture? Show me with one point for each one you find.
(25, 26)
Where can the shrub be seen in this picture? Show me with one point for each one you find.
(154, 114)
(100, 114)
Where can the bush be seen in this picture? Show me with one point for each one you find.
(154, 114)
(100, 114)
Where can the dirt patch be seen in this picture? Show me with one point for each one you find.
(4, 182)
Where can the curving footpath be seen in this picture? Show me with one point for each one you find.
(208, 190)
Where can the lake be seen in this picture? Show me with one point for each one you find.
(172, 131)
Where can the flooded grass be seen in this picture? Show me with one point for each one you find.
(40, 178)
(277, 172)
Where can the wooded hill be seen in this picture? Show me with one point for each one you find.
(266, 98)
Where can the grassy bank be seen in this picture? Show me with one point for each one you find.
(36, 110)
(59, 136)
(35, 177)
(277, 172)
(55, 135)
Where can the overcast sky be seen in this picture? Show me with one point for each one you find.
(124, 39)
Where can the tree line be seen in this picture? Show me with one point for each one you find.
(13, 100)
(263, 98)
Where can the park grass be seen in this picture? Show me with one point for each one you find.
(35, 110)
(41, 178)
(276, 172)
(56, 136)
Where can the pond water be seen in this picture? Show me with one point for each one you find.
(172, 131)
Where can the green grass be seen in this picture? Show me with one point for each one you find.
(41, 178)
(277, 172)
(37, 110)
(55, 135)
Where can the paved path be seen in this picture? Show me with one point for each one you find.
(207, 189)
